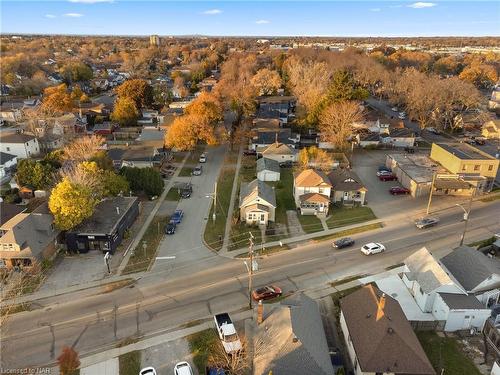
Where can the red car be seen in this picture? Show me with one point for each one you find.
(387, 177)
(266, 292)
(397, 190)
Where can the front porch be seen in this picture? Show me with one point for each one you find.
(314, 204)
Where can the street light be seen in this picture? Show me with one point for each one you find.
(466, 215)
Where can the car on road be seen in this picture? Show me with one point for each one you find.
(286, 164)
(433, 131)
(399, 190)
(197, 170)
(183, 368)
(170, 228)
(148, 371)
(402, 115)
(372, 248)
(343, 242)
(394, 109)
(426, 222)
(250, 153)
(387, 177)
(177, 217)
(203, 158)
(266, 292)
(186, 191)
(383, 173)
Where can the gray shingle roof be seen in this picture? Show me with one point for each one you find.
(345, 180)
(426, 271)
(15, 137)
(268, 164)
(257, 188)
(470, 267)
(292, 340)
(5, 157)
(461, 301)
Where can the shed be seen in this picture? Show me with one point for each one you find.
(268, 169)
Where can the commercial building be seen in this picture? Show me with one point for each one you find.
(414, 172)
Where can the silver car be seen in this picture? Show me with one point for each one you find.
(426, 222)
(197, 170)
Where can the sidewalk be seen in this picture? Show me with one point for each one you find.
(227, 231)
(161, 198)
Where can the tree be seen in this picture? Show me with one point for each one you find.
(481, 75)
(314, 157)
(267, 81)
(76, 71)
(343, 86)
(125, 112)
(138, 90)
(83, 148)
(71, 204)
(336, 121)
(68, 361)
(56, 99)
(102, 160)
(114, 184)
(35, 174)
(147, 180)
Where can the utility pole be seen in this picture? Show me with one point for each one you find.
(250, 271)
(430, 193)
(466, 216)
(215, 201)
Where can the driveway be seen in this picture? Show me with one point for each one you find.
(163, 357)
(187, 244)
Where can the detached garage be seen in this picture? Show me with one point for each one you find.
(460, 312)
(268, 170)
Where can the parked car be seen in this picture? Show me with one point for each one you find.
(147, 371)
(402, 115)
(186, 191)
(183, 368)
(203, 158)
(384, 173)
(372, 248)
(177, 217)
(197, 170)
(387, 177)
(394, 109)
(286, 164)
(170, 228)
(433, 131)
(383, 168)
(266, 292)
(250, 153)
(426, 222)
(227, 333)
(399, 190)
(214, 371)
(343, 242)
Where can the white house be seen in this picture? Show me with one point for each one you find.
(7, 163)
(399, 137)
(311, 191)
(257, 203)
(268, 170)
(21, 145)
(278, 151)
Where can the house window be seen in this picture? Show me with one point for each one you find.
(490, 167)
(476, 167)
(320, 190)
(307, 190)
(8, 148)
(464, 167)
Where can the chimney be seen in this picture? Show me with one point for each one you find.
(118, 210)
(380, 307)
(260, 312)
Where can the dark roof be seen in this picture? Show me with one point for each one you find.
(401, 132)
(268, 164)
(470, 267)
(257, 188)
(106, 216)
(461, 301)
(269, 137)
(383, 339)
(8, 211)
(15, 137)
(5, 157)
(345, 180)
(144, 151)
(464, 151)
(276, 99)
(453, 183)
(369, 137)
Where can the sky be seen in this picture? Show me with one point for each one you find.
(252, 18)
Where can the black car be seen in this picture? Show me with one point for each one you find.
(250, 153)
(170, 228)
(343, 242)
(286, 164)
(186, 191)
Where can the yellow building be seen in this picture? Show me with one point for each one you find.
(472, 164)
(154, 40)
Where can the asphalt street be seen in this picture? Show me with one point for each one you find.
(163, 301)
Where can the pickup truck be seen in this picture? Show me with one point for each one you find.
(227, 333)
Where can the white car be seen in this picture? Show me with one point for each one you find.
(183, 368)
(148, 371)
(383, 173)
(402, 115)
(372, 248)
(203, 158)
(394, 109)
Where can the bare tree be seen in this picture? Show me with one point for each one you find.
(83, 148)
(336, 122)
(237, 363)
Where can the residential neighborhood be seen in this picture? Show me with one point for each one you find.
(200, 201)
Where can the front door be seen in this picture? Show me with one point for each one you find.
(262, 218)
(321, 207)
(346, 195)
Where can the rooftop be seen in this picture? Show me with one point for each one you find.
(311, 177)
(268, 164)
(419, 168)
(465, 151)
(257, 189)
(14, 137)
(461, 301)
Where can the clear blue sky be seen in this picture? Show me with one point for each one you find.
(265, 18)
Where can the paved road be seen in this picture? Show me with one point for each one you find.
(160, 301)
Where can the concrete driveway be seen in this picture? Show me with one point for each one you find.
(187, 242)
(164, 357)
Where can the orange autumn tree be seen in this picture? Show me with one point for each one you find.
(68, 361)
(197, 125)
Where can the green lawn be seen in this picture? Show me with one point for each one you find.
(349, 232)
(130, 363)
(342, 216)
(173, 195)
(240, 236)
(215, 230)
(201, 344)
(142, 258)
(185, 172)
(310, 223)
(445, 354)
(284, 195)
(248, 170)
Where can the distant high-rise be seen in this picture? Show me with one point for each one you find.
(154, 40)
